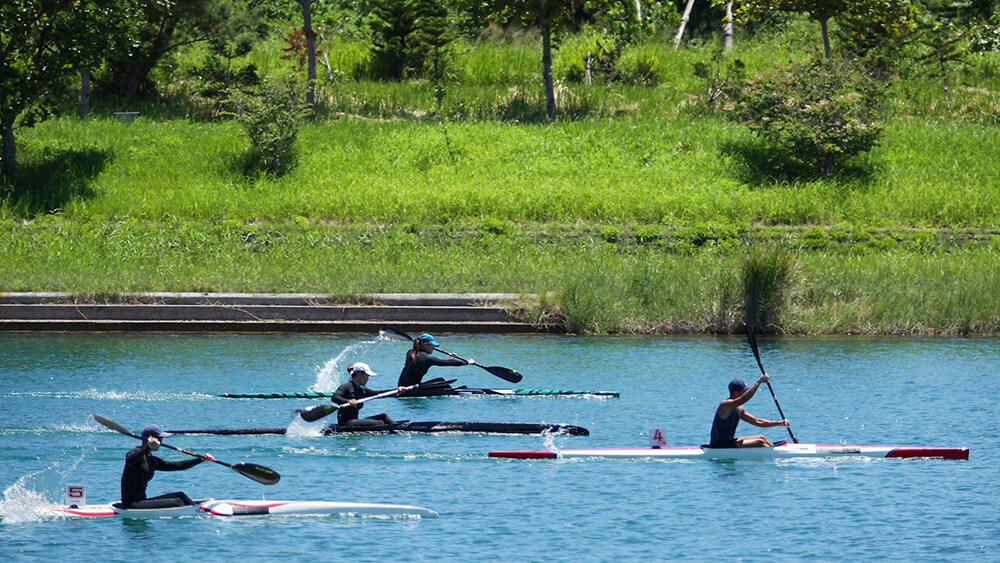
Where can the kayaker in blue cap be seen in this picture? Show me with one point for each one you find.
(419, 360)
(141, 465)
(730, 412)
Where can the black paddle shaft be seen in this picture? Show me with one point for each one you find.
(753, 346)
(259, 473)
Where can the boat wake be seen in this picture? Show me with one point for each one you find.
(94, 394)
(29, 500)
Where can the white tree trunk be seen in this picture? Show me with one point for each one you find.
(728, 32)
(638, 10)
(684, 22)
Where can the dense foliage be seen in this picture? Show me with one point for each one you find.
(819, 114)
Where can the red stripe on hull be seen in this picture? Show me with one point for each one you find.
(537, 454)
(945, 453)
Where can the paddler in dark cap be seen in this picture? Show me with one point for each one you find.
(730, 412)
(419, 360)
(141, 465)
(349, 394)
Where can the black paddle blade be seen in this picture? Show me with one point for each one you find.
(506, 374)
(108, 423)
(312, 414)
(393, 333)
(259, 473)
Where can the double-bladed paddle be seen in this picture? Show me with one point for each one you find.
(259, 473)
(506, 374)
(312, 414)
(753, 346)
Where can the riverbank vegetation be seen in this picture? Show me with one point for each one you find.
(641, 205)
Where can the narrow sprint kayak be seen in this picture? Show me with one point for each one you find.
(227, 508)
(431, 427)
(780, 451)
(445, 392)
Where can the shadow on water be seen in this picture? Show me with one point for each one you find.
(46, 182)
(760, 165)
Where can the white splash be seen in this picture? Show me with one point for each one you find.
(333, 373)
(29, 499)
(299, 428)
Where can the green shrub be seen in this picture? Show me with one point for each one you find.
(640, 65)
(815, 238)
(271, 116)
(819, 114)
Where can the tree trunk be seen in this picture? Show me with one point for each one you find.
(550, 93)
(684, 22)
(84, 92)
(310, 54)
(728, 31)
(826, 37)
(638, 10)
(135, 76)
(9, 149)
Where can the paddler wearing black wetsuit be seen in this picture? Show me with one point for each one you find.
(419, 360)
(352, 391)
(141, 465)
(729, 414)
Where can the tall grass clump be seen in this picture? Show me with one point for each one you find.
(766, 275)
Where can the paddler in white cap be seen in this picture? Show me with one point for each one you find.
(351, 392)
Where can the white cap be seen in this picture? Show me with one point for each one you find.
(362, 367)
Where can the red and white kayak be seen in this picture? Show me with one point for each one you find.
(226, 508)
(779, 451)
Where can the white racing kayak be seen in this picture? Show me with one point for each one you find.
(779, 451)
(227, 508)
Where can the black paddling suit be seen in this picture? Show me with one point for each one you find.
(348, 416)
(140, 466)
(417, 364)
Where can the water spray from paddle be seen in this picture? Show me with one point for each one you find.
(334, 372)
(29, 498)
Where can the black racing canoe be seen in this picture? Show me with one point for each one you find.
(430, 427)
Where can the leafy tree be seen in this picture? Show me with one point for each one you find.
(157, 28)
(409, 38)
(822, 11)
(819, 114)
(550, 17)
(945, 47)
(38, 49)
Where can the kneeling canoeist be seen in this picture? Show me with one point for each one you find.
(141, 465)
(419, 360)
(355, 389)
(729, 414)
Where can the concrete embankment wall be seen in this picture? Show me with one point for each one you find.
(253, 312)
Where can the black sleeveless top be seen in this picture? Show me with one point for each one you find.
(724, 429)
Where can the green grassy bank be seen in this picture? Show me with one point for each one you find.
(633, 212)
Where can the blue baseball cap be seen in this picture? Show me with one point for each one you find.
(427, 338)
(153, 430)
(738, 385)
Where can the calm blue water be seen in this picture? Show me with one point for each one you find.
(933, 392)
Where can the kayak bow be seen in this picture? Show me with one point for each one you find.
(780, 451)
